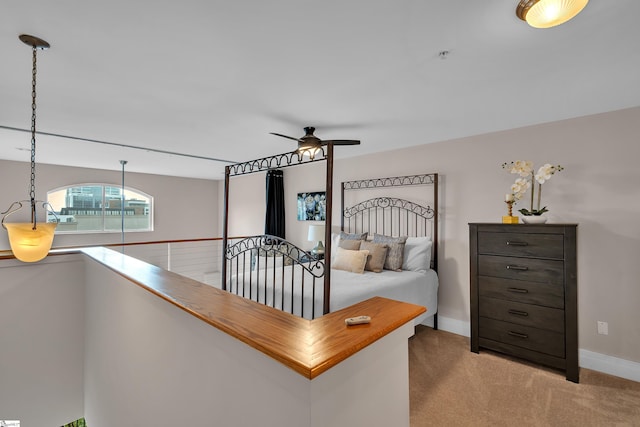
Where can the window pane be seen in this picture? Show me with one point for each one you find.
(96, 208)
(137, 212)
(78, 208)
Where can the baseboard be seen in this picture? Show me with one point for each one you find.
(454, 326)
(588, 359)
(609, 365)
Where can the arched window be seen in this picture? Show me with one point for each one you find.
(98, 208)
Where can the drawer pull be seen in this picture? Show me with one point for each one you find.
(517, 267)
(510, 243)
(518, 335)
(518, 290)
(519, 313)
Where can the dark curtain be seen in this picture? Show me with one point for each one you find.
(274, 218)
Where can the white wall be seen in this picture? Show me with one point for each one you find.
(41, 341)
(184, 208)
(150, 363)
(80, 340)
(247, 201)
(598, 190)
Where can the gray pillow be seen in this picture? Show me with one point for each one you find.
(395, 253)
(377, 255)
(350, 244)
(353, 236)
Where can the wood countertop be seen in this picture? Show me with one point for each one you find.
(309, 347)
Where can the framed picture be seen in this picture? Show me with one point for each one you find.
(312, 206)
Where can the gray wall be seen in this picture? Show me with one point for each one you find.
(598, 190)
(184, 208)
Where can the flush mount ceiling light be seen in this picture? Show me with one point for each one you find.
(30, 242)
(548, 13)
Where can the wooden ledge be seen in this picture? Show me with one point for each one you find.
(309, 347)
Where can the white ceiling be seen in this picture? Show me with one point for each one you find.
(213, 78)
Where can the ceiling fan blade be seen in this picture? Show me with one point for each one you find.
(284, 136)
(342, 142)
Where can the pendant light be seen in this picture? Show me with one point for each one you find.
(30, 242)
(548, 13)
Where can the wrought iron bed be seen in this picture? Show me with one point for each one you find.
(394, 216)
(273, 271)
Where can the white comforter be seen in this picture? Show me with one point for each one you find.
(347, 288)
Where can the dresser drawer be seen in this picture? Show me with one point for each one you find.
(544, 294)
(551, 319)
(530, 269)
(539, 340)
(521, 244)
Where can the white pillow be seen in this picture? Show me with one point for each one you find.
(347, 260)
(417, 254)
(335, 241)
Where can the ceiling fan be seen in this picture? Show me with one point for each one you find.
(310, 142)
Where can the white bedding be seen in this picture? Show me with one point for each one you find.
(347, 288)
(419, 288)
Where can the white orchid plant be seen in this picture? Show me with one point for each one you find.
(527, 180)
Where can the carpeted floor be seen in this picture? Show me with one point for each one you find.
(451, 386)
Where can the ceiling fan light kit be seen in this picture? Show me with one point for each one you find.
(548, 13)
(309, 145)
(30, 242)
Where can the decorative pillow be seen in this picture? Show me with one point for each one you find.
(353, 261)
(396, 250)
(353, 236)
(417, 254)
(339, 240)
(352, 245)
(377, 255)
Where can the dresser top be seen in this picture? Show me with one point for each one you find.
(523, 228)
(553, 224)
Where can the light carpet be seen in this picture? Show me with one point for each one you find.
(451, 386)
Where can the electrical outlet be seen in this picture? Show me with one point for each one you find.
(603, 328)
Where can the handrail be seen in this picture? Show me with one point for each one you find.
(150, 242)
(309, 347)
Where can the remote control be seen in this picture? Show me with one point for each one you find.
(357, 320)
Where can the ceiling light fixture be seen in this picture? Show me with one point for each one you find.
(30, 242)
(548, 13)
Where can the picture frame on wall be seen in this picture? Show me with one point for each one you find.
(312, 206)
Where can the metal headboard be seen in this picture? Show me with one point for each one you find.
(393, 216)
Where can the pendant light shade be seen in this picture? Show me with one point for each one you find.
(548, 13)
(30, 244)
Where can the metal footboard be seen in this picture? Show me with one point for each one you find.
(272, 271)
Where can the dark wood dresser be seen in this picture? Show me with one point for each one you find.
(524, 292)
